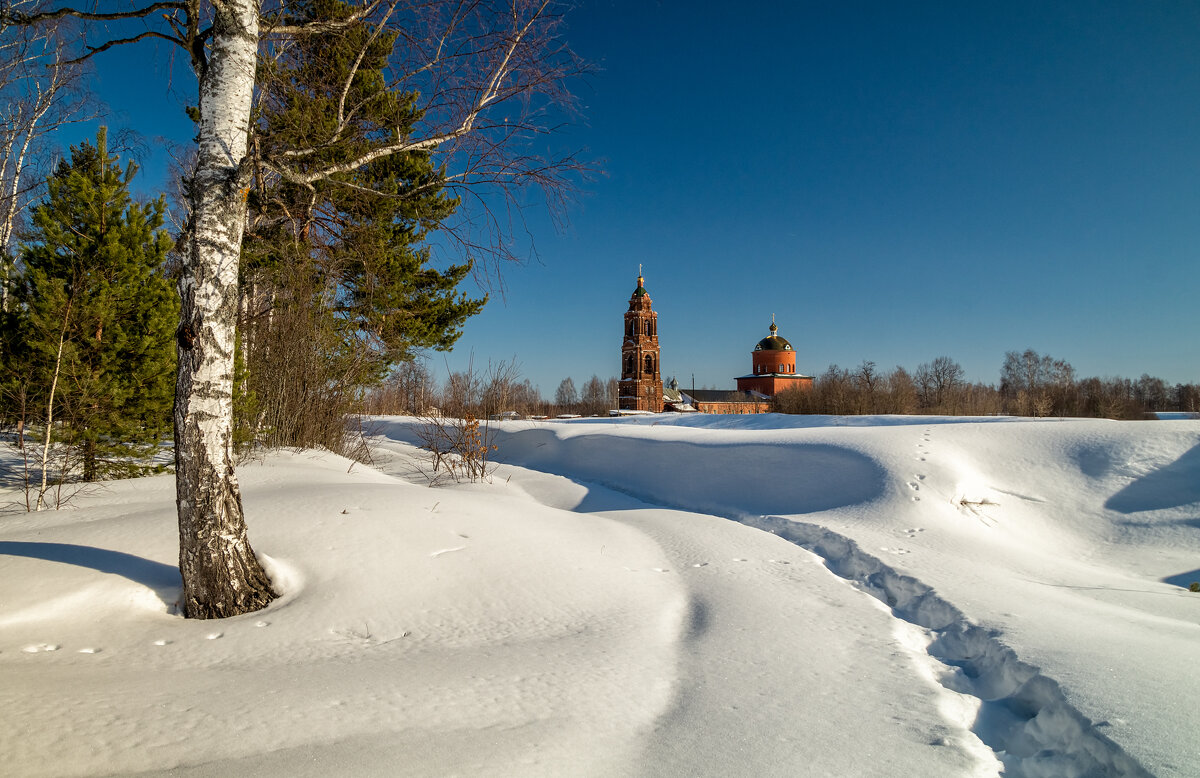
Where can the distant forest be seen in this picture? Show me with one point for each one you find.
(1031, 384)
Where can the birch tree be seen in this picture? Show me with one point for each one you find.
(486, 72)
(37, 97)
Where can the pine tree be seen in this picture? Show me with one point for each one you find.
(337, 276)
(96, 314)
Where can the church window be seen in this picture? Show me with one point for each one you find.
(649, 364)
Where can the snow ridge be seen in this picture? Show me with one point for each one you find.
(1024, 716)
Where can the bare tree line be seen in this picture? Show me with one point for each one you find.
(1031, 384)
(413, 389)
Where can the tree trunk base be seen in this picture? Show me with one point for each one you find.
(221, 575)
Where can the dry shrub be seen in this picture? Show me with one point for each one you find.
(458, 448)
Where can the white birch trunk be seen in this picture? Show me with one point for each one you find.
(221, 576)
(21, 134)
(62, 337)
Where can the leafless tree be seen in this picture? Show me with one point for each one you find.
(593, 397)
(461, 394)
(410, 390)
(902, 392)
(938, 384)
(866, 381)
(566, 397)
(499, 387)
(836, 390)
(487, 74)
(1033, 384)
(39, 93)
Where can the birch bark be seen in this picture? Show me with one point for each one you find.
(221, 575)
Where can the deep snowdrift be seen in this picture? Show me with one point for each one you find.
(986, 596)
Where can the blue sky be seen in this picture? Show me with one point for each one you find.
(894, 181)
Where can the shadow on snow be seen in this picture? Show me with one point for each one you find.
(163, 579)
(1167, 487)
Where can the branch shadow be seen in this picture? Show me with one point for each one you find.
(163, 579)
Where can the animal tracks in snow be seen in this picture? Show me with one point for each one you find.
(922, 447)
(92, 649)
(40, 648)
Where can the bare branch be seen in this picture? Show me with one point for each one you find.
(94, 50)
(320, 26)
(491, 93)
(14, 17)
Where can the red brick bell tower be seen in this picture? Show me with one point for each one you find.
(641, 387)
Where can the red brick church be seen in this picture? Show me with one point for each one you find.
(641, 385)
(774, 364)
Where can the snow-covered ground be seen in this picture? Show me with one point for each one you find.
(660, 595)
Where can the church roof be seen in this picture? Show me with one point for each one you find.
(774, 375)
(722, 396)
(773, 342)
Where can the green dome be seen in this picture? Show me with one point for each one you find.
(773, 343)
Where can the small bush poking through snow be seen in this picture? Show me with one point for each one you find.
(1195, 587)
(458, 448)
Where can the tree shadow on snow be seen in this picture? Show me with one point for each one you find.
(163, 579)
(1167, 487)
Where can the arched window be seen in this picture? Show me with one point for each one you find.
(649, 368)
(629, 365)
(629, 329)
